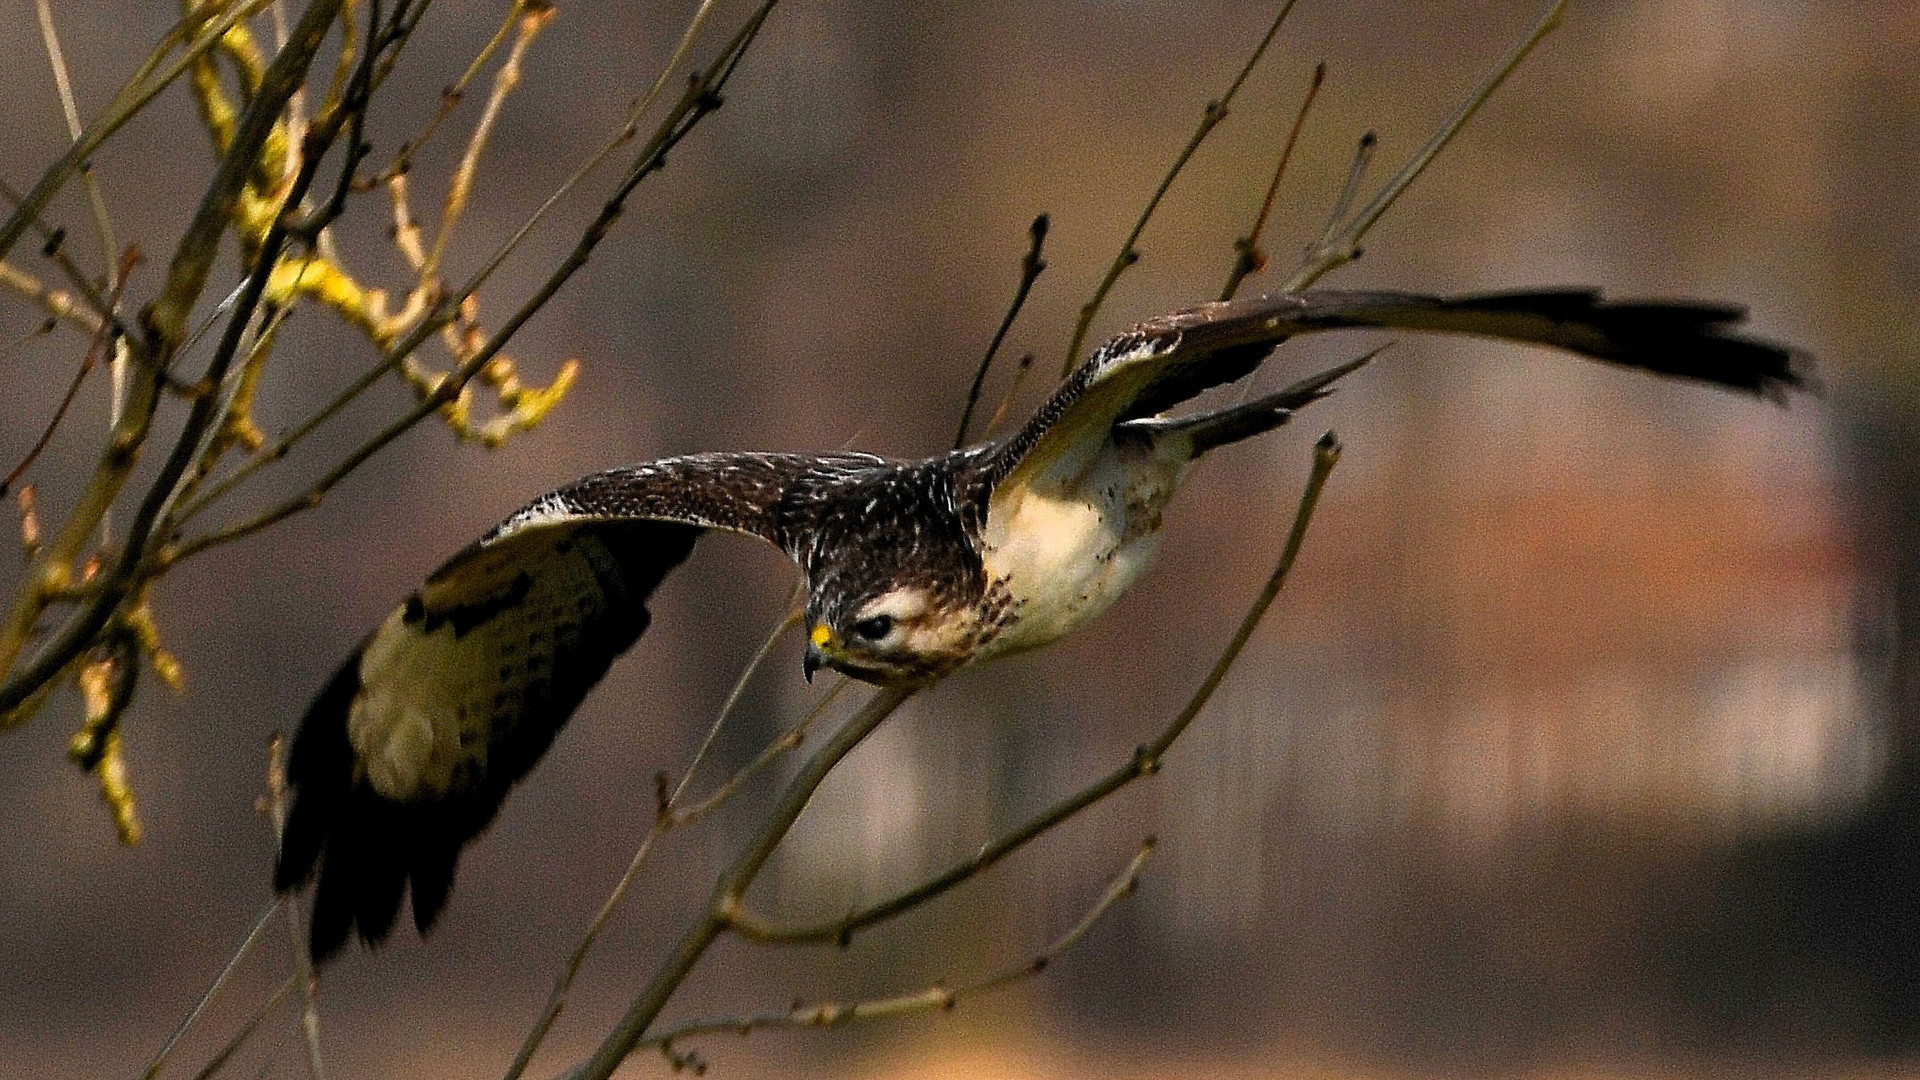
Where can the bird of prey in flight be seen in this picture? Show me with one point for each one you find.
(914, 569)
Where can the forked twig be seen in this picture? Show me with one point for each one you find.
(1249, 257)
(701, 99)
(934, 998)
(732, 886)
(240, 1037)
(1031, 267)
(666, 817)
(1210, 118)
(1342, 245)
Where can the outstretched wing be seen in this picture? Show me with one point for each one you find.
(1163, 362)
(412, 747)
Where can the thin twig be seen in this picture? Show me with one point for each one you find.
(233, 1045)
(450, 98)
(1249, 257)
(787, 741)
(396, 353)
(1343, 247)
(79, 376)
(302, 958)
(1006, 398)
(163, 322)
(732, 886)
(935, 998)
(132, 98)
(58, 303)
(159, 1060)
(666, 817)
(1210, 118)
(533, 16)
(701, 98)
(1031, 266)
(1144, 762)
(54, 248)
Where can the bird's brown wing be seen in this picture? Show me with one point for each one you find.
(412, 747)
(1165, 361)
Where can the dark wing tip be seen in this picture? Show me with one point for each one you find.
(1688, 339)
(320, 772)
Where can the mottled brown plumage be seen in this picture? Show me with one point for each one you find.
(913, 568)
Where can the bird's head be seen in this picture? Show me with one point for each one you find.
(900, 635)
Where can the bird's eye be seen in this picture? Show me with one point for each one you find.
(874, 628)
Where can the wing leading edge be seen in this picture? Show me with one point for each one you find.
(1165, 361)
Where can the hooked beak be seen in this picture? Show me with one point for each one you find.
(811, 662)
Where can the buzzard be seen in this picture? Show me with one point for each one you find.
(913, 568)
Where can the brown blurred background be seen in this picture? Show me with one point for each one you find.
(1586, 741)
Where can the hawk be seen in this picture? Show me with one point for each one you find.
(913, 568)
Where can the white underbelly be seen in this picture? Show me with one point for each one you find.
(1065, 549)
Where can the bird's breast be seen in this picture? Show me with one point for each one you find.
(1063, 548)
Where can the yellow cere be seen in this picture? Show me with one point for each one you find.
(821, 635)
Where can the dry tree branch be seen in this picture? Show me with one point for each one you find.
(534, 15)
(100, 340)
(1144, 762)
(701, 98)
(450, 98)
(1210, 118)
(159, 1059)
(1341, 245)
(784, 743)
(1031, 267)
(59, 304)
(54, 248)
(1249, 257)
(302, 957)
(138, 92)
(43, 10)
(252, 1024)
(664, 818)
(934, 998)
(1006, 397)
(163, 324)
(730, 890)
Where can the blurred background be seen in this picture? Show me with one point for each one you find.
(1584, 742)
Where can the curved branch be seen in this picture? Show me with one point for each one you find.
(732, 886)
(936, 997)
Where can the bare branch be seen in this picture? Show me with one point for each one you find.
(1006, 398)
(79, 376)
(934, 998)
(1343, 245)
(159, 1059)
(1031, 266)
(1210, 118)
(667, 817)
(163, 323)
(701, 98)
(1249, 257)
(302, 958)
(533, 17)
(133, 97)
(233, 1045)
(56, 302)
(732, 887)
